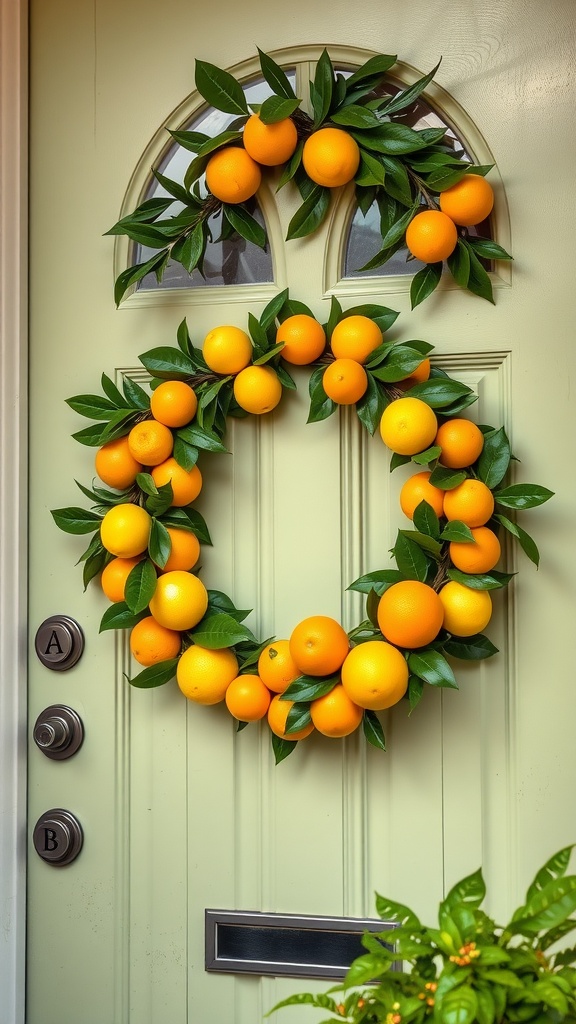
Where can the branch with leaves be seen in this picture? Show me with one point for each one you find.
(354, 130)
(398, 376)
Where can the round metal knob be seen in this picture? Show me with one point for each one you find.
(58, 837)
(58, 732)
(59, 642)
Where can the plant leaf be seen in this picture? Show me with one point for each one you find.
(140, 586)
(470, 648)
(219, 88)
(220, 630)
(432, 667)
(282, 748)
(311, 214)
(76, 520)
(521, 496)
(373, 730)
(155, 675)
(275, 76)
(424, 283)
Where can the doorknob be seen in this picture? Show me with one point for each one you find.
(58, 837)
(59, 642)
(58, 732)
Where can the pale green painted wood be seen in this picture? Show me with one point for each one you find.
(180, 812)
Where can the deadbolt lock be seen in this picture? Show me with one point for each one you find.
(58, 837)
(59, 642)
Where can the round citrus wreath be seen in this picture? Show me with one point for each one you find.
(359, 130)
(147, 533)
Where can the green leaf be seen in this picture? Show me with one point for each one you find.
(478, 282)
(94, 407)
(275, 76)
(393, 139)
(355, 116)
(282, 748)
(381, 315)
(190, 250)
(426, 457)
(407, 96)
(457, 531)
(168, 363)
(311, 214)
(109, 388)
(276, 109)
(527, 544)
(271, 311)
(424, 283)
(188, 518)
(155, 675)
(410, 558)
(174, 188)
(245, 224)
(554, 868)
(298, 718)
(397, 182)
(135, 273)
(146, 212)
(446, 479)
(186, 455)
(192, 141)
(521, 496)
(323, 88)
(397, 913)
(308, 688)
(200, 438)
(140, 586)
(76, 520)
(220, 89)
(488, 249)
(432, 667)
(158, 503)
(135, 395)
(415, 691)
(375, 67)
(548, 907)
(459, 264)
(426, 521)
(398, 229)
(445, 177)
(291, 167)
(159, 544)
(481, 581)
(379, 580)
(220, 630)
(470, 891)
(438, 392)
(373, 730)
(370, 173)
(459, 1006)
(494, 458)
(371, 406)
(470, 648)
(320, 405)
(424, 541)
(119, 616)
(397, 460)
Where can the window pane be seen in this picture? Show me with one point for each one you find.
(229, 260)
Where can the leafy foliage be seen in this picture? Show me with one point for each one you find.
(467, 970)
(401, 169)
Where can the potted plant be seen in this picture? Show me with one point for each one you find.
(467, 969)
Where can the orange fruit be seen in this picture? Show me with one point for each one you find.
(115, 464)
(185, 550)
(331, 157)
(318, 645)
(151, 643)
(335, 714)
(125, 530)
(174, 403)
(114, 576)
(276, 667)
(180, 600)
(461, 442)
(345, 381)
(227, 349)
(481, 555)
(408, 426)
(277, 715)
(257, 389)
(418, 376)
(186, 483)
(466, 611)
(472, 502)
(417, 488)
(303, 337)
(410, 614)
(204, 675)
(431, 236)
(469, 201)
(375, 675)
(270, 144)
(247, 699)
(150, 442)
(355, 337)
(232, 175)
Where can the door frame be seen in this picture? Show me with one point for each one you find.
(13, 499)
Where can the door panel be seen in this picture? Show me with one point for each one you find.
(181, 813)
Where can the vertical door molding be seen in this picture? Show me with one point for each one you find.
(13, 473)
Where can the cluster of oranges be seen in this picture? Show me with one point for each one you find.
(329, 680)
(233, 174)
(432, 235)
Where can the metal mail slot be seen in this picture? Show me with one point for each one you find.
(296, 946)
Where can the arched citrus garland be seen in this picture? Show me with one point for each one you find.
(147, 533)
(359, 131)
